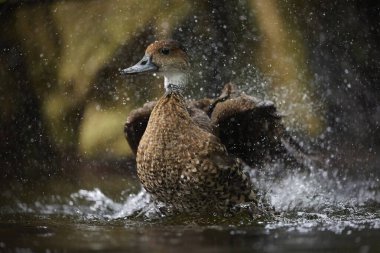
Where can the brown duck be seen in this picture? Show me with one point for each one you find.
(186, 151)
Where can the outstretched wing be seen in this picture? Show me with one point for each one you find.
(249, 129)
(253, 131)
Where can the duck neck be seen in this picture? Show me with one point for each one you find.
(175, 82)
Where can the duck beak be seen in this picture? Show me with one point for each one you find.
(144, 65)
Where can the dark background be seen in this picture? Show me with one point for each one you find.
(63, 103)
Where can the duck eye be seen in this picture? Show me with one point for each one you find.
(165, 50)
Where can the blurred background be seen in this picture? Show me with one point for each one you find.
(63, 103)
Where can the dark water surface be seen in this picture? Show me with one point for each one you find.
(317, 212)
(44, 233)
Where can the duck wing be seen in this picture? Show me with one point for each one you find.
(250, 130)
(136, 123)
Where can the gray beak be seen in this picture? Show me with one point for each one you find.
(144, 65)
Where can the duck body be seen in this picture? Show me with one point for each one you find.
(186, 166)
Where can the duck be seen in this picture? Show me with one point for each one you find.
(192, 155)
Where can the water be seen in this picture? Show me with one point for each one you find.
(317, 210)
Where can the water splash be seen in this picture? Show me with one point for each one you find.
(321, 199)
(95, 201)
(305, 200)
(140, 204)
(318, 190)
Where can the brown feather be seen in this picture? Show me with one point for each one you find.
(185, 166)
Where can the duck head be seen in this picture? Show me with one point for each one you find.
(166, 58)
